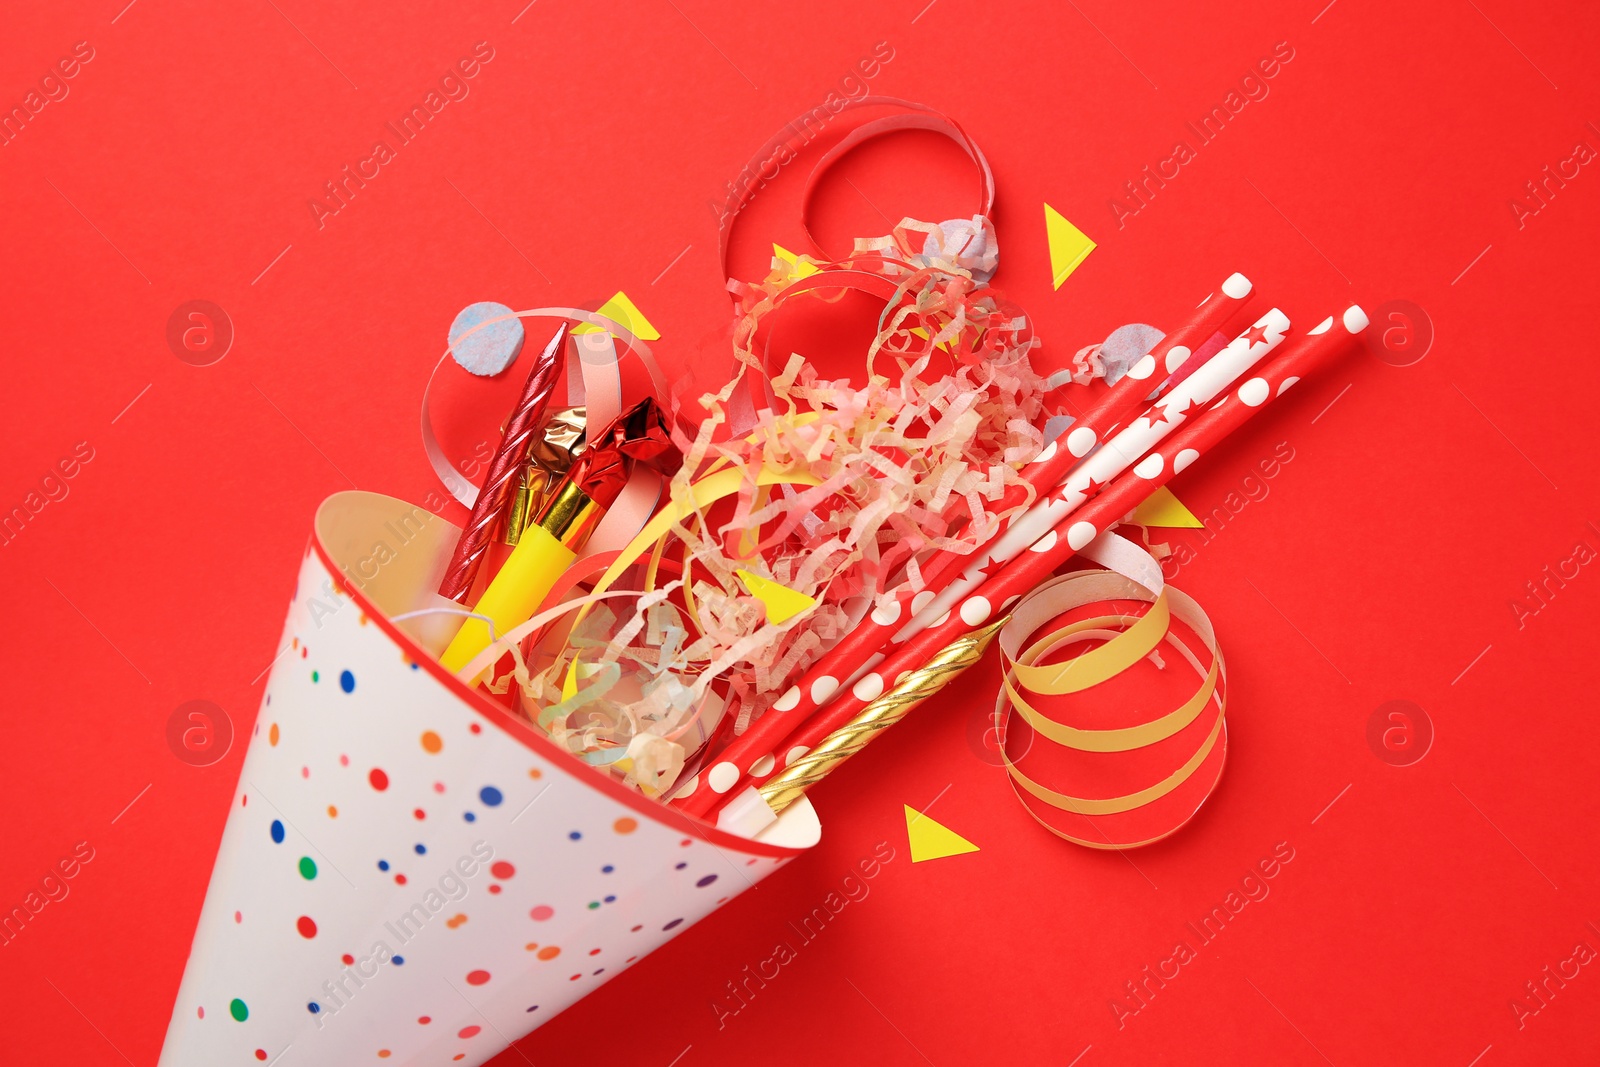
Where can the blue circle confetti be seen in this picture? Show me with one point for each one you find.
(347, 681)
(422, 850)
(467, 815)
(277, 831)
(707, 880)
(490, 796)
(398, 961)
(383, 865)
(607, 869)
(313, 1007)
(487, 350)
(574, 836)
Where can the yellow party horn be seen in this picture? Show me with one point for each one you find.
(568, 516)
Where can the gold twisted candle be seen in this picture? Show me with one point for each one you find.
(881, 713)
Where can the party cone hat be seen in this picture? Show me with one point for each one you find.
(408, 872)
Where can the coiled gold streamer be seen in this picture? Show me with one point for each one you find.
(912, 689)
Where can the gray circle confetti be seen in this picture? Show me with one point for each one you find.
(486, 350)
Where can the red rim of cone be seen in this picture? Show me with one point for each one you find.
(524, 732)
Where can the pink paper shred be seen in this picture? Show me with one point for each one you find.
(912, 459)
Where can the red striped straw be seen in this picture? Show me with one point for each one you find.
(850, 656)
(1027, 570)
(504, 470)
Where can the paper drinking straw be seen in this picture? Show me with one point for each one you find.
(1131, 394)
(1225, 313)
(849, 663)
(1168, 360)
(1186, 400)
(1042, 475)
(1077, 529)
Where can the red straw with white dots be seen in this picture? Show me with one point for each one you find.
(1169, 359)
(1044, 474)
(854, 661)
(1075, 530)
(1127, 449)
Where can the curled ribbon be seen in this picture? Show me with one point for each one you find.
(1124, 776)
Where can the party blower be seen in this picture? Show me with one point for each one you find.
(570, 512)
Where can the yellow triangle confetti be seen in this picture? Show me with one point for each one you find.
(1161, 508)
(1069, 246)
(801, 268)
(782, 602)
(623, 312)
(931, 840)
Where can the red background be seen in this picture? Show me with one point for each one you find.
(1381, 566)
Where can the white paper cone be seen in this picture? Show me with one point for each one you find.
(409, 874)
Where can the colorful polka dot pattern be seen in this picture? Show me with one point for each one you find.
(386, 837)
